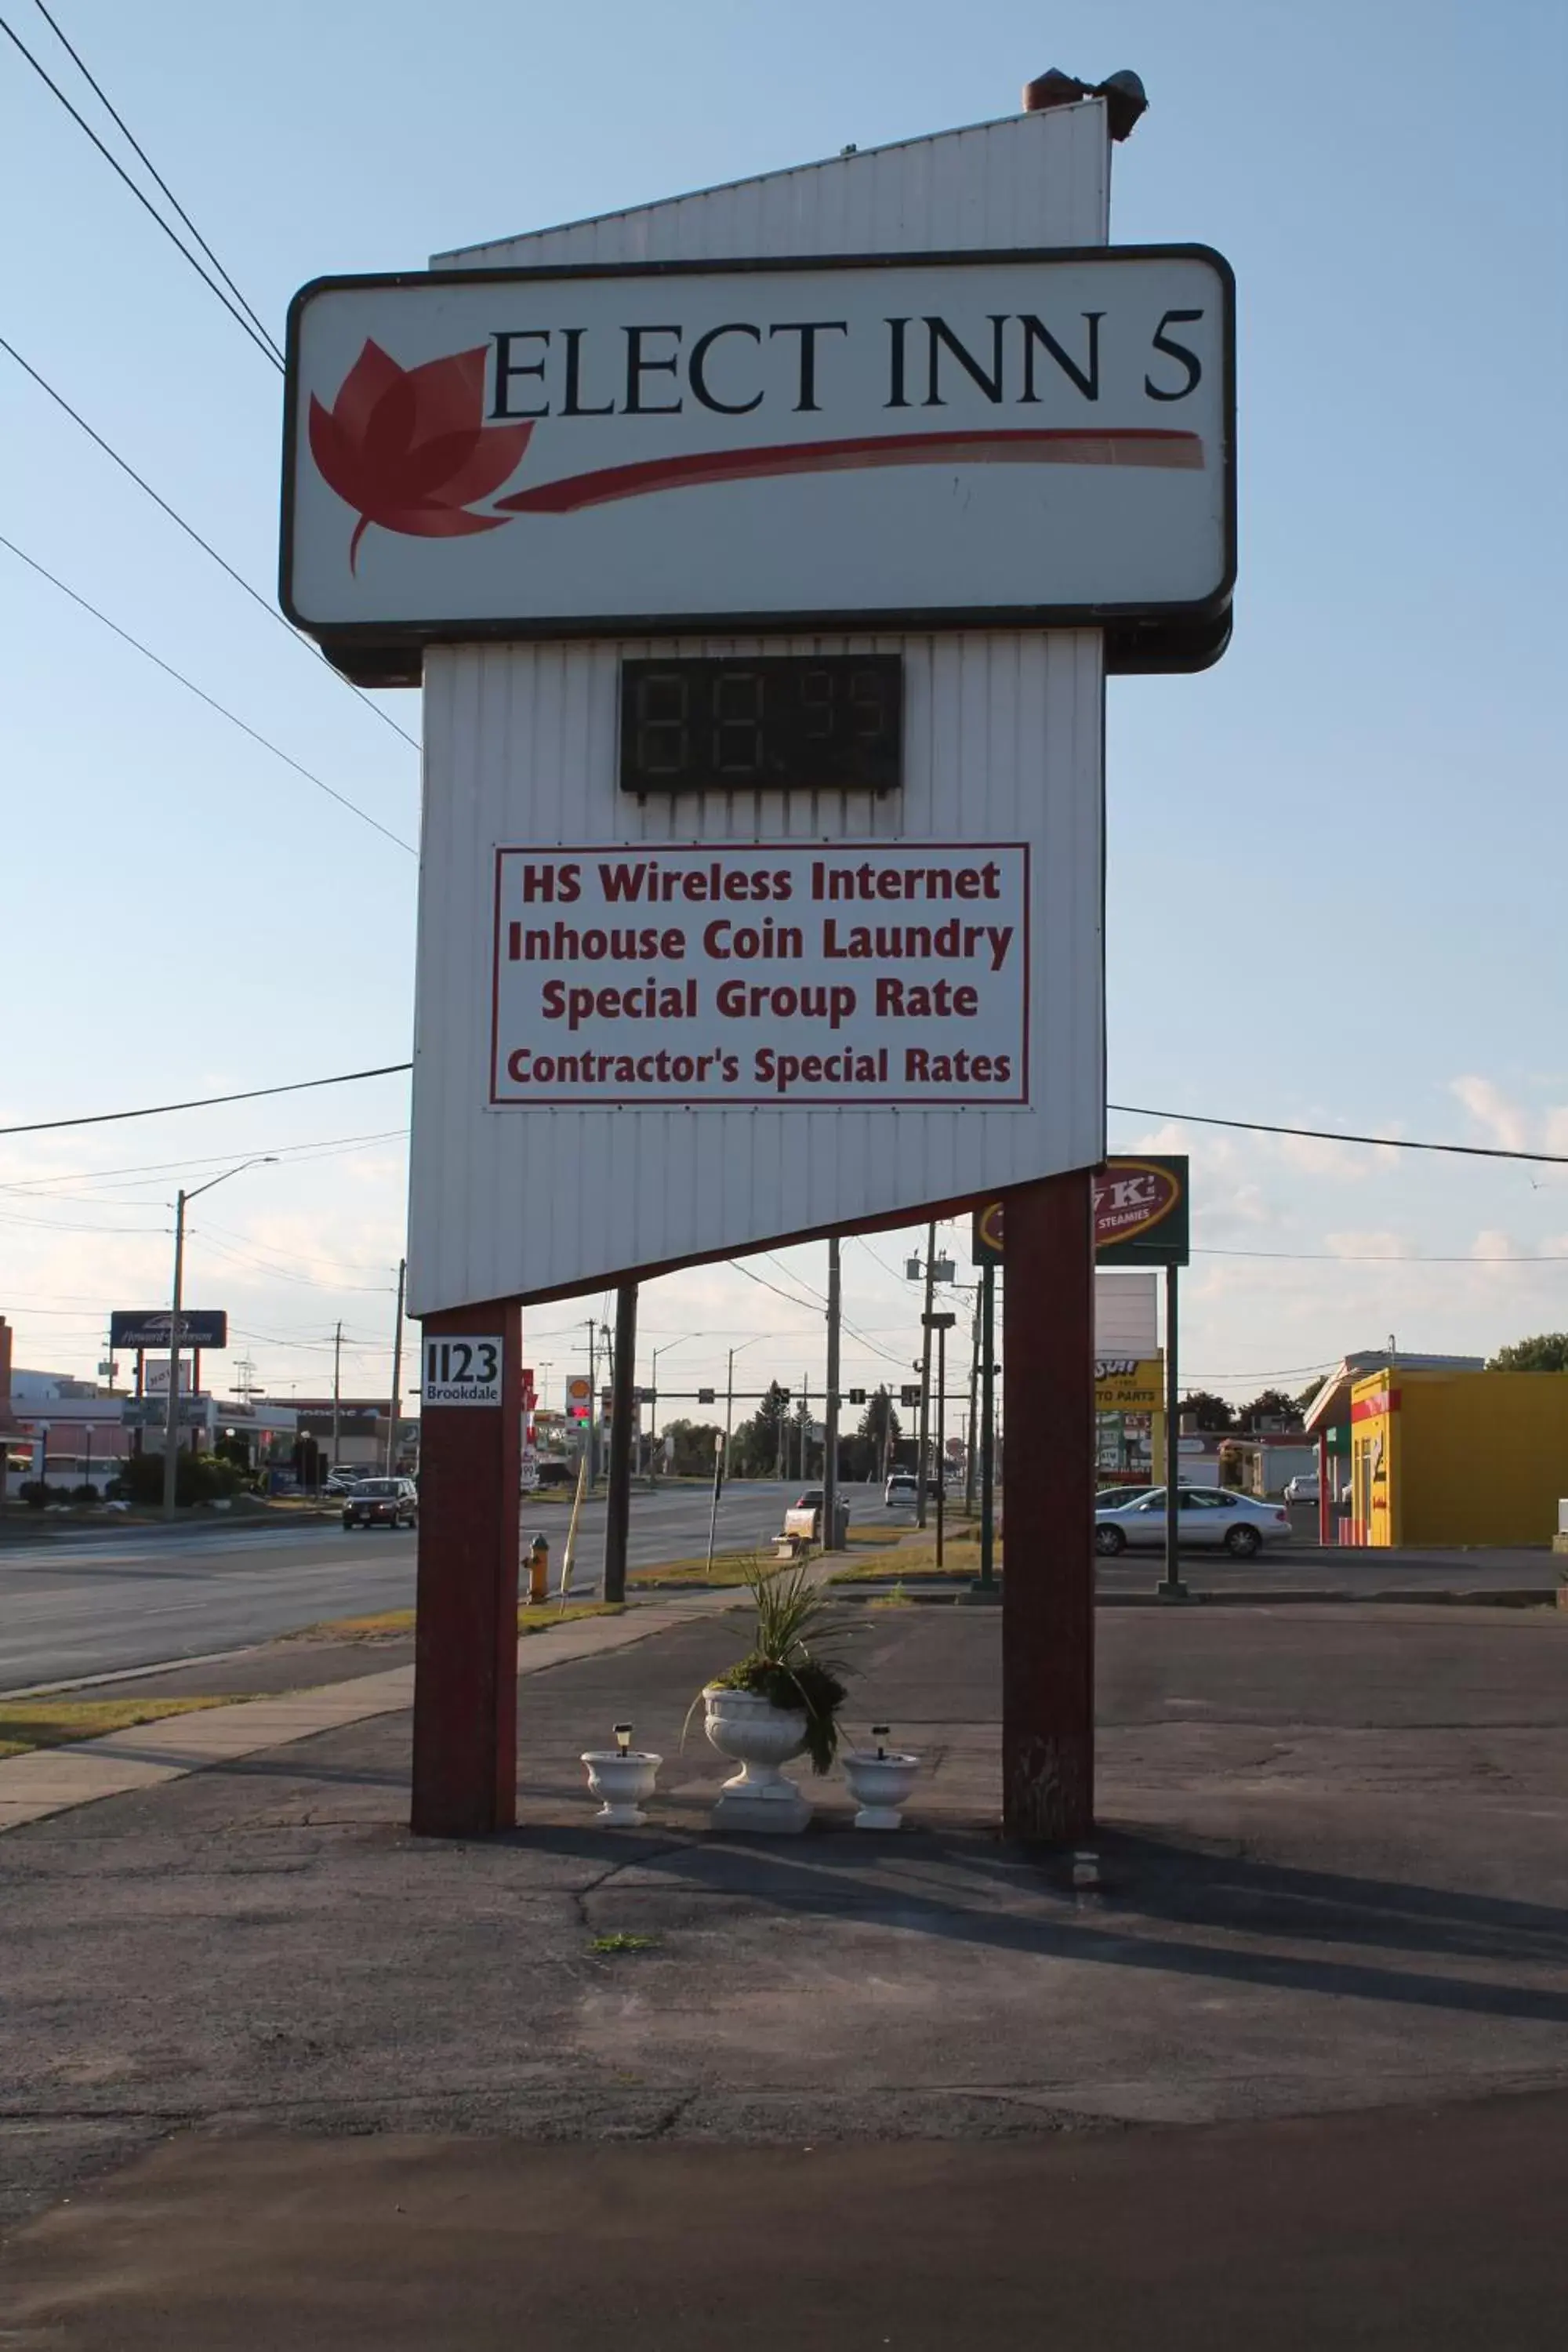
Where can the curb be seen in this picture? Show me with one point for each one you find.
(1522, 1596)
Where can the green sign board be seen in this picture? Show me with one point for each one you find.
(1140, 1215)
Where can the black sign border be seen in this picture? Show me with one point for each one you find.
(1168, 637)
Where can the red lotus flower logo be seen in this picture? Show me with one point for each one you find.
(408, 447)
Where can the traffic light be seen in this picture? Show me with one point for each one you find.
(909, 1395)
(856, 1396)
(704, 1396)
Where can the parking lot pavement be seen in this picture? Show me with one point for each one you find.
(1438, 2227)
(1334, 1876)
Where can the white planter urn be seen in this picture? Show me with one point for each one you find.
(759, 1736)
(624, 1779)
(880, 1786)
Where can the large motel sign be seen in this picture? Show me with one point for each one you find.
(762, 555)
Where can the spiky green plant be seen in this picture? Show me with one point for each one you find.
(785, 1663)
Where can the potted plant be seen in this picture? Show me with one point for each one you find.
(781, 1700)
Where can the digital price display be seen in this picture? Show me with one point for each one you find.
(785, 722)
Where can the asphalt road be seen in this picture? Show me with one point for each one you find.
(101, 1604)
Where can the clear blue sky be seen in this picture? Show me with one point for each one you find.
(1336, 862)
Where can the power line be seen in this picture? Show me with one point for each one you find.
(209, 1102)
(390, 1069)
(213, 704)
(810, 1305)
(259, 336)
(113, 111)
(1391, 1257)
(205, 545)
(1338, 1135)
(325, 1146)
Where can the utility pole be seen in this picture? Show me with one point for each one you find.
(729, 1413)
(622, 1366)
(940, 1430)
(942, 1324)
(973, 1402)
(1170, 1586)
(172, 1402)
(925, 1374)
(593, 1404)
(396, 1370)
(337, 1387)
(986, 1584)
(831, 1407)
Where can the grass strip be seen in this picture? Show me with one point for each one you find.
(392, 1624)
(729, 1568)
(29, 1723)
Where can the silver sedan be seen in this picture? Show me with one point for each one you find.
(1210, 1518)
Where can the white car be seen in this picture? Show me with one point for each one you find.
(1210, 1518)
(901, 1490)
(1302, 1488)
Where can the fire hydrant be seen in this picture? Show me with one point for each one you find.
(538, 1570)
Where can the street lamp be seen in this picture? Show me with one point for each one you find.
(172, 1408)
(754, 1341)
(653, 1392)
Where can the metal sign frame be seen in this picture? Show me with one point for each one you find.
(1162, 634)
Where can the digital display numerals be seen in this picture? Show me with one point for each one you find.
(783, 723)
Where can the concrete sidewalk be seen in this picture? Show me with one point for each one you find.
(85, 1772)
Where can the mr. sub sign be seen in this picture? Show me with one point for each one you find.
(1014, 437)
(1140, 1215)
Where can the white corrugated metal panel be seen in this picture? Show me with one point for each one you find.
(1003, 742)
(1126, 1313)
(1028, 179)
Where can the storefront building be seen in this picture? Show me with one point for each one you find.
(1456, 1458)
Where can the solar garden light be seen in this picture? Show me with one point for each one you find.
(623, 1779)
(879, 1784)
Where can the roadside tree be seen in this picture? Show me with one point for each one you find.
(1546, 1352)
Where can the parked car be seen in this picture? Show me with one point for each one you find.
(902, 1488)
(382, 1503)
(1211, 1518)
(1303, 1488)
(341, 1482)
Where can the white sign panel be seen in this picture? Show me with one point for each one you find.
(843, 974)
(1006, 438)
(462, 1371)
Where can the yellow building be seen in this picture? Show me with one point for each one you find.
(1458, 1457)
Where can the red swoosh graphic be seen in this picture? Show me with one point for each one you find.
(1131, 446)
